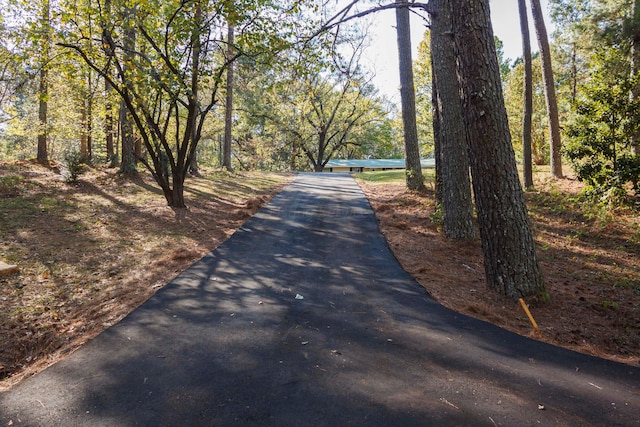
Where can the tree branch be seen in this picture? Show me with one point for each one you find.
(341, 18)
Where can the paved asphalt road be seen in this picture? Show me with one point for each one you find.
(227, 343)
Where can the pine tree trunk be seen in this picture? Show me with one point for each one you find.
(191, 149)
(437, 139)
(83, 127)
(555, 144)
(108, 90)
(43, 152)
(408, 101)
(228, 117)
(86, 112)
(89, 125)
(528, 96)
(457, 206)
(635, 67)
(128, 163)
(43, 91)
(507, 242)
(108, 123)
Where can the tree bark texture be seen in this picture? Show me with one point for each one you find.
(528, 95)
(555, 144)
(128, 163)
(84, 150)
(437, 139)
(108, 123)
(228, 116)
(457, 206)
(408, 99)
(43, 92)
(635, 68)
(108, 90)
(86, 133)
(43, 152)
(507, 242)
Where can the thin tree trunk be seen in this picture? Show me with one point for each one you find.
(83, 127)
(43, 152)
(408, 99)
(108, 123)
(89, 122)
(457, 207)
(228, 116)
(192, 157)
(574, 74)
(528, 95)
(437, 138)
(43, 91)
(635, 68)
(108, 90)
(508, 247)
(86, 108)
(555, 144)
(128, 163)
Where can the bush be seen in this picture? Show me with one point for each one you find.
(600, 135)
(73, 165)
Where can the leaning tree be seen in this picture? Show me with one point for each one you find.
(510, 261)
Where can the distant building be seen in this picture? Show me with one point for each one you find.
(372, 165)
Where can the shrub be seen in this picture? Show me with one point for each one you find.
(73, 165)
(600, 135)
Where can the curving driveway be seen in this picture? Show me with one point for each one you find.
(304, 318)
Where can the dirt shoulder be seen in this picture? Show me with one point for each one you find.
(590, 258)
(91, 252)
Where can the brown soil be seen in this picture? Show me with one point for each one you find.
(589, 256)
(91, 252)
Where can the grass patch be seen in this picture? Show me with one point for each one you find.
(9, 183)
(392, 176)
(380, 177)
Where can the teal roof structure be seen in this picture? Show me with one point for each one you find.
(376, 163)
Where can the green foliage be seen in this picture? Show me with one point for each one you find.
(504, 63)
(606, 118)
(437, 217)
(314, 105)
(8, 183)
(422, 80)
(74, 164)
(514, 101)
(167, 60)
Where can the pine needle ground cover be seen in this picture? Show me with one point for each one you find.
(88, 253)
(589, 255)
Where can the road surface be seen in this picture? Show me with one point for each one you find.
(304, 318)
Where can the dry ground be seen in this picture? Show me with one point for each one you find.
(91, 252)
(589, 256)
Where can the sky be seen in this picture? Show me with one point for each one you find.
(382, 55)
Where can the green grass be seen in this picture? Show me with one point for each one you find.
(8, 183)
(392, 176)
(397, 175)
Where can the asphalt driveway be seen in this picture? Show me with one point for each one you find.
(304, 318)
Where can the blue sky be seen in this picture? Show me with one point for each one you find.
(382, 55)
